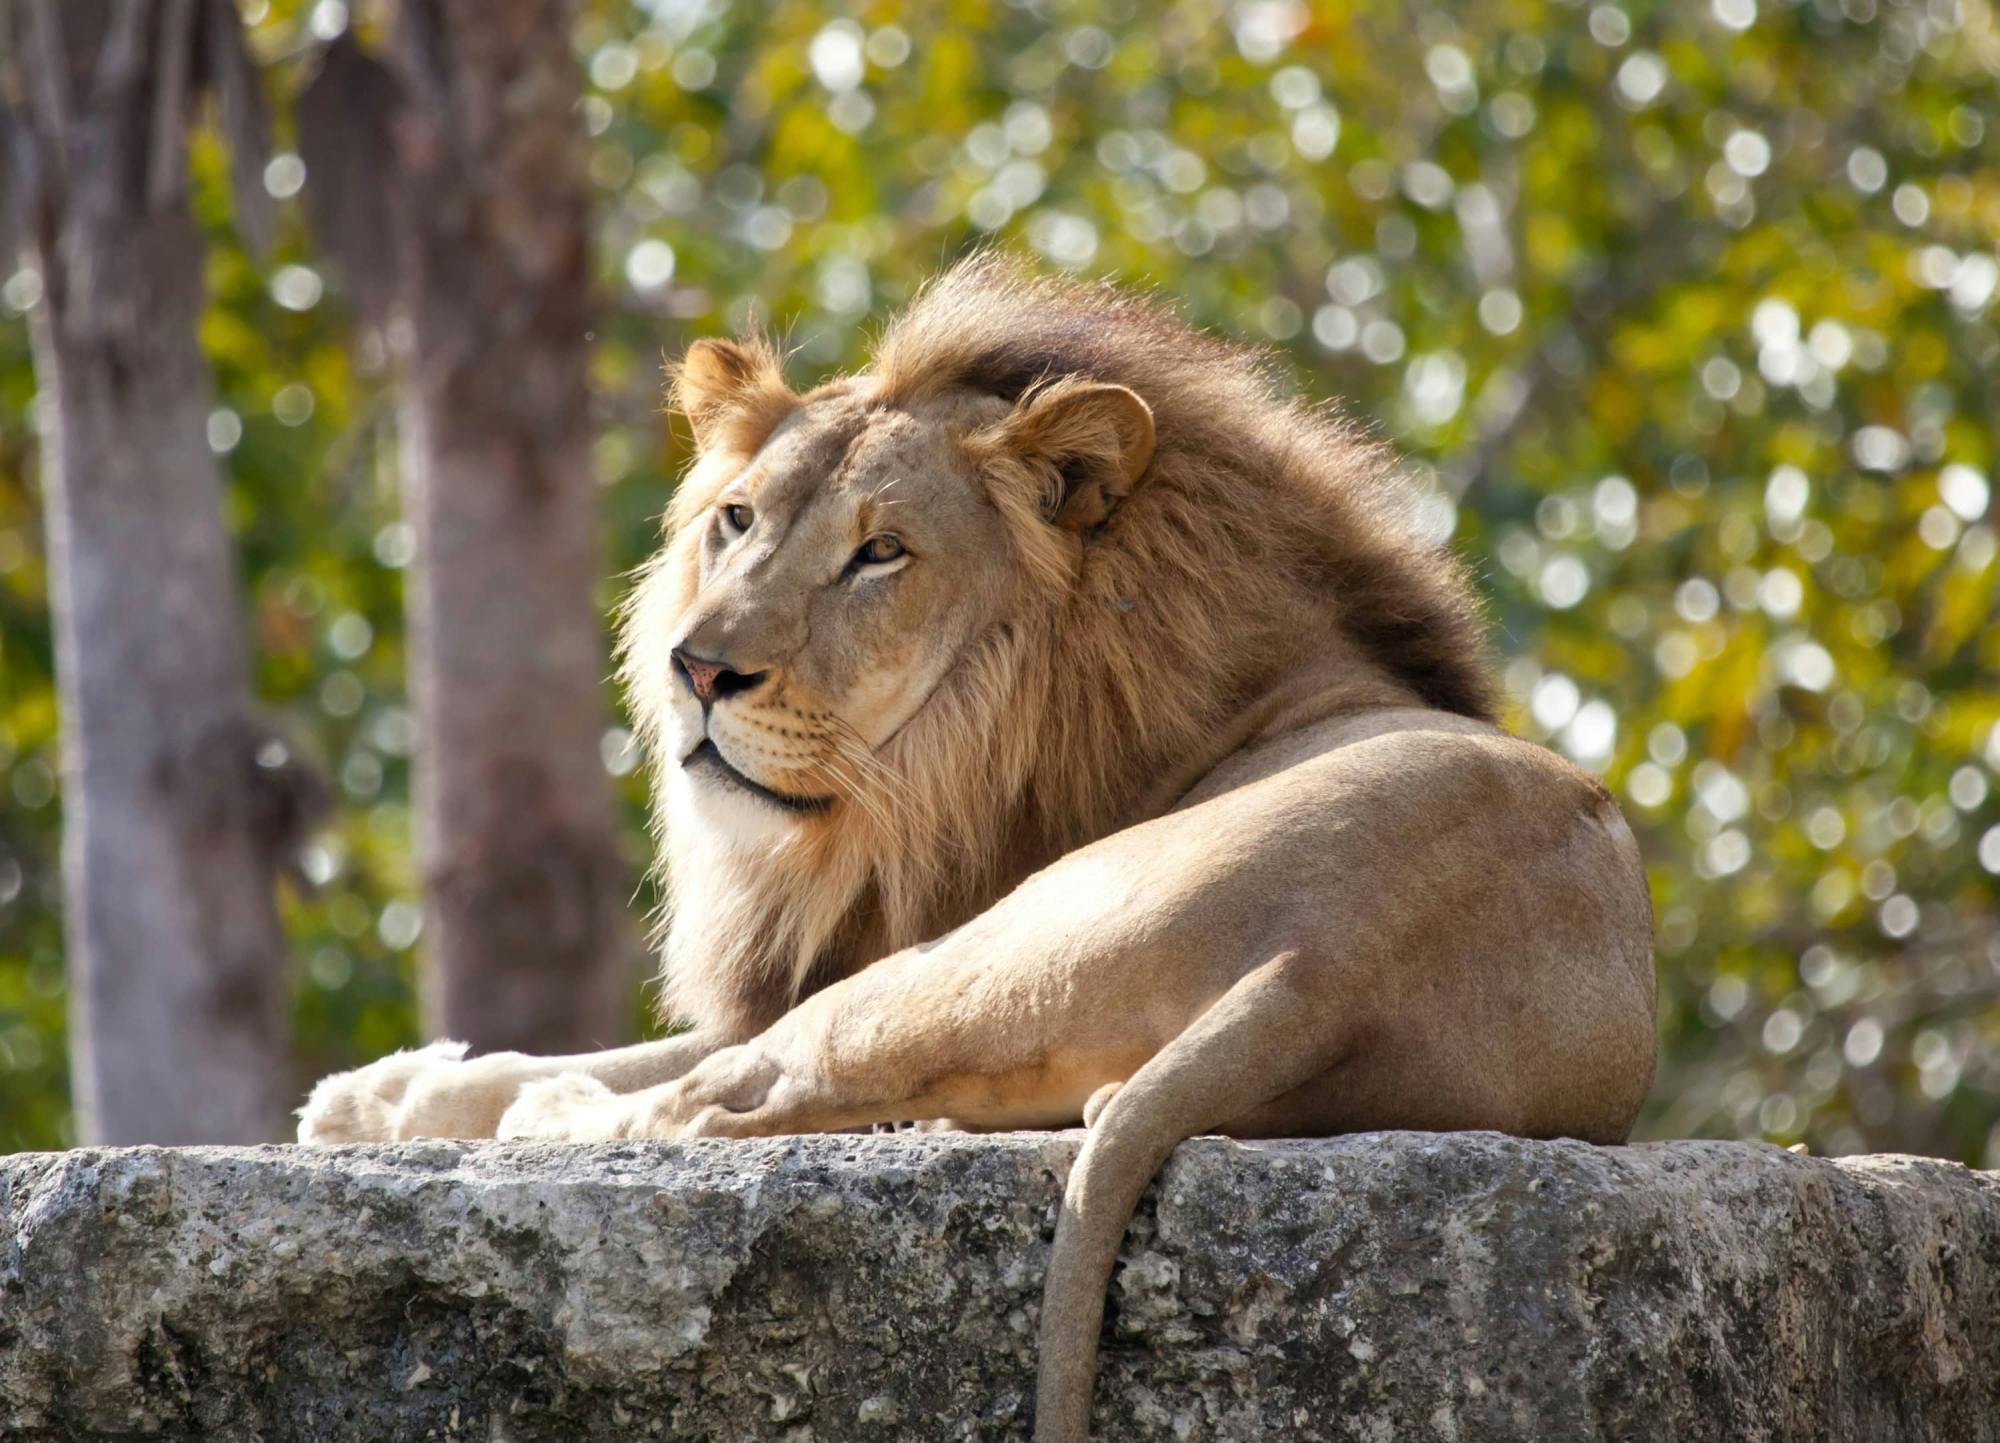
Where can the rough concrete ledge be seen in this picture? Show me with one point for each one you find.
(1386, 1286)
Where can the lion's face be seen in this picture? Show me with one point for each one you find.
(824, 590)
(831, 559)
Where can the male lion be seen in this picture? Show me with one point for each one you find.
(1054, 722)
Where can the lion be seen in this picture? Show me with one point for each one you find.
(1056, 722)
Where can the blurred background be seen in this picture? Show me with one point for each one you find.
(1682, 312)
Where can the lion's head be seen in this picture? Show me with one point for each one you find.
(920, 630)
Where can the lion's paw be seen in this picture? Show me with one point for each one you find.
(571, 1107)
(365, 1105)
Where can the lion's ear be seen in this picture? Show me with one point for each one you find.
(723, 383)
(1093, 441)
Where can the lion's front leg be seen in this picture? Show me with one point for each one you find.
(436, 1092)
(910, 1039)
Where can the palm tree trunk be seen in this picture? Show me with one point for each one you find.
(529, 942)
(179, 809)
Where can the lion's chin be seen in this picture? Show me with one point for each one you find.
(709, 808)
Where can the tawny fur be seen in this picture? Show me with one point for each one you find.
(1259, 517)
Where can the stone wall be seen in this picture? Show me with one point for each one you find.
(1381, 1287)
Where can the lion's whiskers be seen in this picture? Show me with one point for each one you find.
(868, 768)
(857, 790)
(869, 789)
(854, 773)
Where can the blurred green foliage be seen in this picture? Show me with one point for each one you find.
(1684, 314)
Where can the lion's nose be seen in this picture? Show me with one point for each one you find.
(710, 681)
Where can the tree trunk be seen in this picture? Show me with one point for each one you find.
(528, 939)
(178, 808)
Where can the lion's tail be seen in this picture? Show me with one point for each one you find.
(1263, 1037)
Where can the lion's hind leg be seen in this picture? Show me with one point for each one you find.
(1266, 1035)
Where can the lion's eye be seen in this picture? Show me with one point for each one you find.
(737, 518)
(879, 550)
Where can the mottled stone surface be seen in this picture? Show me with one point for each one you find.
(1388, 1286)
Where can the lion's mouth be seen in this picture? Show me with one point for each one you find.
(707, 759)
